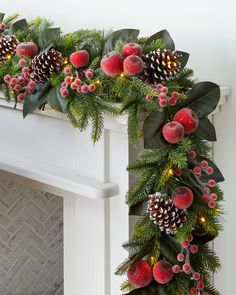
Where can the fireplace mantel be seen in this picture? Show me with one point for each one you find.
(45, 151)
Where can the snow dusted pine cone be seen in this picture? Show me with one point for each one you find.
(7, 47)
(164, 214)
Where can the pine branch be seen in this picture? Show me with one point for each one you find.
(154, 45)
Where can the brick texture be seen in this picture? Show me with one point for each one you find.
(31, 241)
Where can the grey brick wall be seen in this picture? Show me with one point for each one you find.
(31, 241)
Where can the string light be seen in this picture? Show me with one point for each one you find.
(170, 172)
(153, 260)
(202, 220)
(122, 75)
(8, 56)
(65, 61)
(98, 82)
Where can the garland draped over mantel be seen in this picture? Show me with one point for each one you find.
(88, 73)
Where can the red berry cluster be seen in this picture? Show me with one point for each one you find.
(184, 256)
(21, 83)
(203, 166)
(74, 82)
(163, 97)
(3, 26)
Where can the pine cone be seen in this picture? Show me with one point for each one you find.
(7, 47)
(160, 66)
(164, 214)
(45, 64)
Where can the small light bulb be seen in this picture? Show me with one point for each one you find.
(8, 56)
(170, 172)
(122, 75)
(98, 82)
(65, 61)
(202, 219)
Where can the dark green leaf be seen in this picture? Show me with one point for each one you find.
(216, 175)
(152, 130)
(34, 100)
(206, 130)
(1, 16)
(202, 98)
(169, 248)
(138, 209)
(46, 37)
(127, 35)
(163, 35)
(55, 100)
(149, 290)
(183, 59)
(20, 25)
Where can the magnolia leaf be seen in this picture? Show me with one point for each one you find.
(205, 130)
(169, 248)
(184, 58)
(202, 98)
(152, 130)
(1, 16)
(34, 100)
(216, 175)
(55, 100)
(127, 35)
(20, 25)
(164, 36)
(46, 37)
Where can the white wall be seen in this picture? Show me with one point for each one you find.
(206, 29)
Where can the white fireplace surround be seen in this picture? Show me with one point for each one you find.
(46, 152)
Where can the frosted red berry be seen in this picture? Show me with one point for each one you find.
(162, 96)
(207, 190)
(21, 80)
(22, 62)
(7, 78)
(193, 291)
(64, 92)
(192, 154)
(175, 95)
(190, 238)
(213, 197)
(67, 71)
(149, 97)
(204, 164)
(68, 79)
(164, 90)
(17, 87)
(185, 244)
(211, 204)
(186, 268)
(197, 171)
(73, 85)
(159, 86)
(172, 101)
(84, 88)
(91, 87)
(211, 183)
(77, 81)
(205, 198)
(63, 84)
(78, 89)
(193, 249)
(180, 257)
(163, 103)
(200, 285)
(89, 74)
(196, 276)
(209, 170)
(13, 81)
(25, 70)
(21, 96)
(3, 26)
(176, 268)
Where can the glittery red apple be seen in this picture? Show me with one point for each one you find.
(162, 272)
(112, 64)
(79, 59)
(182, 197)
(133, 65)
(132, 48)
(173, 132)
(27, 49)
(140, 274)
(188, 119)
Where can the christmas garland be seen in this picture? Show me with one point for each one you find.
(89, 73)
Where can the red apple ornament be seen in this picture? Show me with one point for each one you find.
(27, 49)
(182, 197)
(140, 274)
(79, 59)
(188, 119)
(112, 64)
(162, 272)
(173, 132)
(132, 48)
(133, 65)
